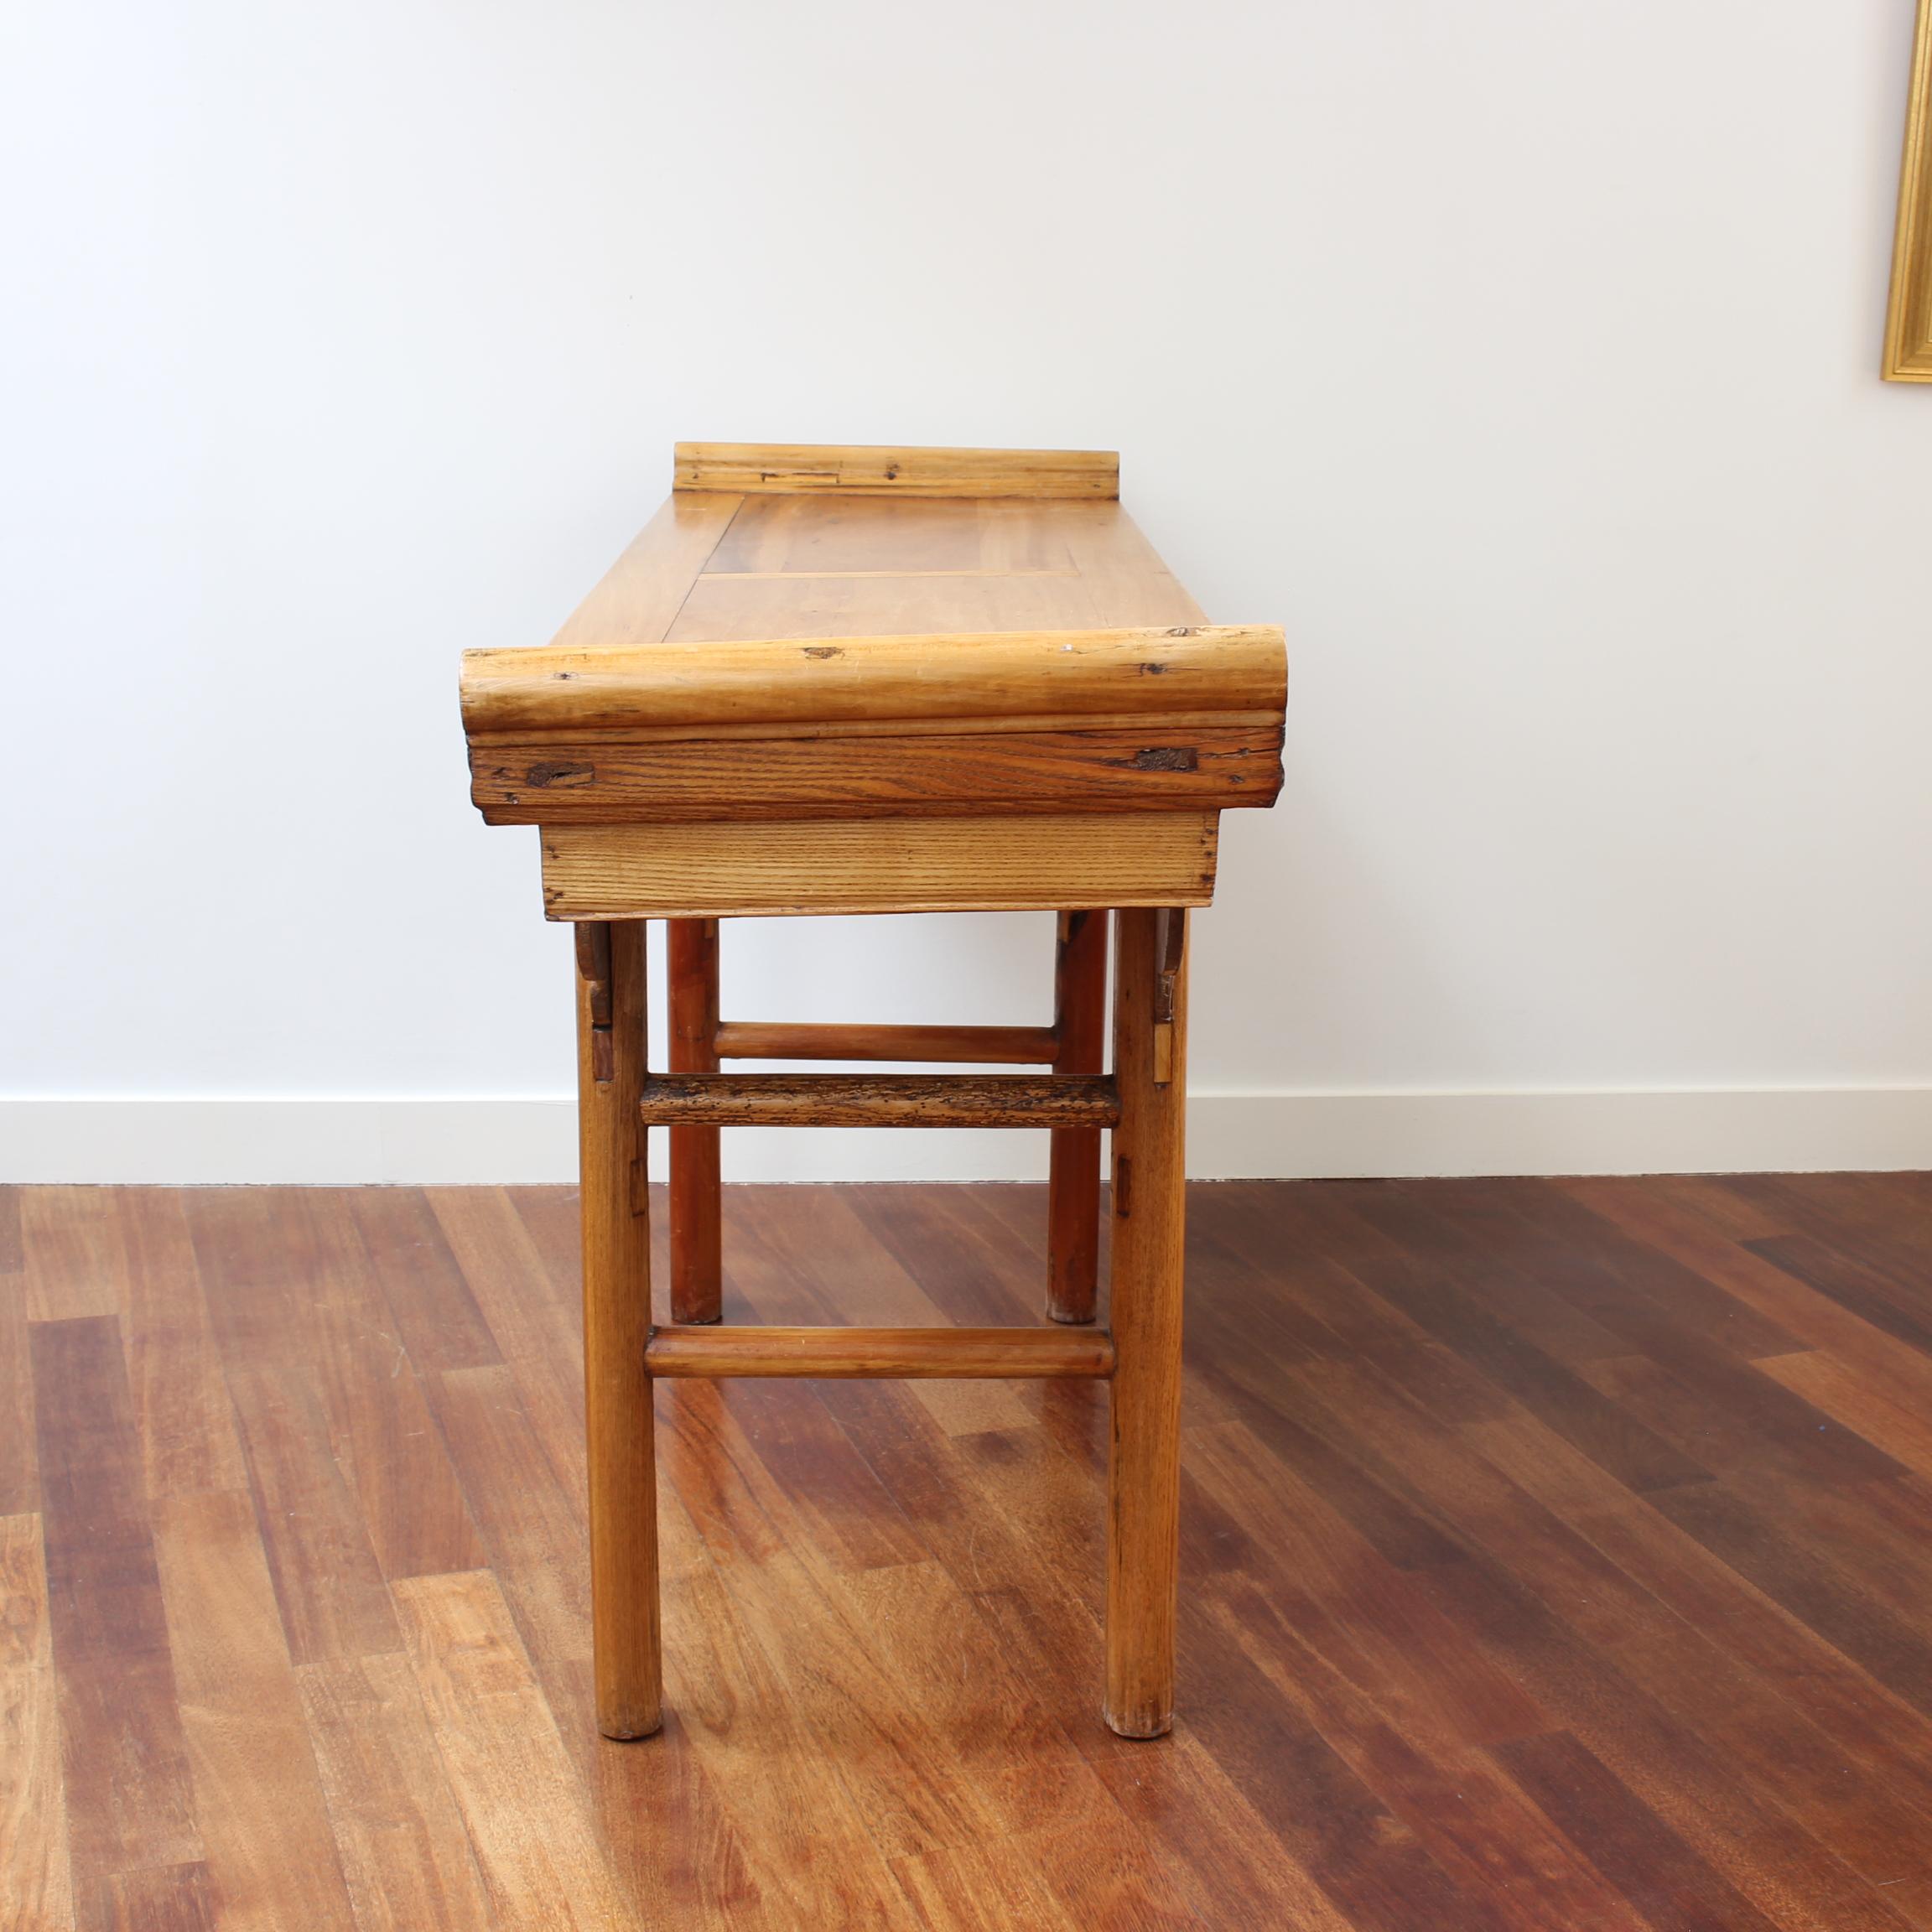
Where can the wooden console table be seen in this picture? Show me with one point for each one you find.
(850, 681)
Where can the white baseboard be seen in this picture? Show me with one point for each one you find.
(188, 1142)
(1351, 1136)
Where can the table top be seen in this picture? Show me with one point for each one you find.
(860, 680)
(718, 564)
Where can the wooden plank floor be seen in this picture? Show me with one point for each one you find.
(1558, 1554)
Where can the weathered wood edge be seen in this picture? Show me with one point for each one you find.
(1145, 767)
(1136, 670)
(848, 470)
(765, 869)
(878, 1100)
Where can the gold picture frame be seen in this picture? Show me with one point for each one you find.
(1909, 321)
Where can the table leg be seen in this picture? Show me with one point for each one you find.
(1144, 1464)
(696, 1198)
(622, 1452)
(1073, 1184)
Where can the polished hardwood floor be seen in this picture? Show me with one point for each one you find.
(1558, 1554)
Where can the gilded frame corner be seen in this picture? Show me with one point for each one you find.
(1909, 317)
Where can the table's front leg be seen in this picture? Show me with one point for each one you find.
(610, 1063)
(1144, 1464)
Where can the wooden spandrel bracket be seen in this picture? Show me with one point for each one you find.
(1173, 934)
(594, 968)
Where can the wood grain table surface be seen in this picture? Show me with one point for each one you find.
(1557, 1555)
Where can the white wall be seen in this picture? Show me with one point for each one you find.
(1520, 358)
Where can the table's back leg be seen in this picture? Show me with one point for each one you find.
(1144, 1465)
(1073, 1185)
(622, 1453)
(697, 1201)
